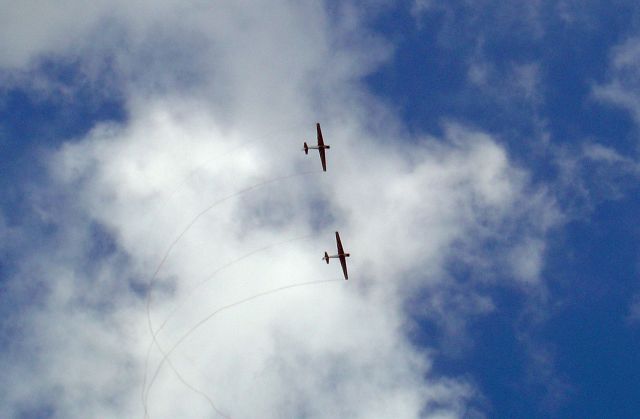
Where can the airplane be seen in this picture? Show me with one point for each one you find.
(320, 147)
(341, 255)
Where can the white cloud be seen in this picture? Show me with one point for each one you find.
(592, 174)
(516, 85)
(634, 310)
(419, 7)
(257, 79)
(624, 78)
(483, 19)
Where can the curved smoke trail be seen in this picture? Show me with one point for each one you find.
(165, 358)
(193, 221)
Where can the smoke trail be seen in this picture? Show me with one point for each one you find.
(265, 137)
(183, 232)
(225, 266)
(209, 208)
(198, 285)
(165, 358)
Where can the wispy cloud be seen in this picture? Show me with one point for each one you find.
(624, 78)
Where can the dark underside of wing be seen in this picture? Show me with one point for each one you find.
(320, 140)
(323, 159)
(343, 262)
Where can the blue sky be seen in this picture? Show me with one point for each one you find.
(591, 262)
(484, 176)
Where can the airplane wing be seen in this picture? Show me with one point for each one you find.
(340, 249)
(323, 159)
(343, 259)
(320, 140)
(343, 262)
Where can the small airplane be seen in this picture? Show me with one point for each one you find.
(320, 147)
(341, 255)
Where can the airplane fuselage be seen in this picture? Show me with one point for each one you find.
(346, 255)
(315, 147)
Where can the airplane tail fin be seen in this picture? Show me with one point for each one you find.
(306, 148)
(326, 257)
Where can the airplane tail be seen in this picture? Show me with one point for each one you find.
(306, 148)
(326, 257)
